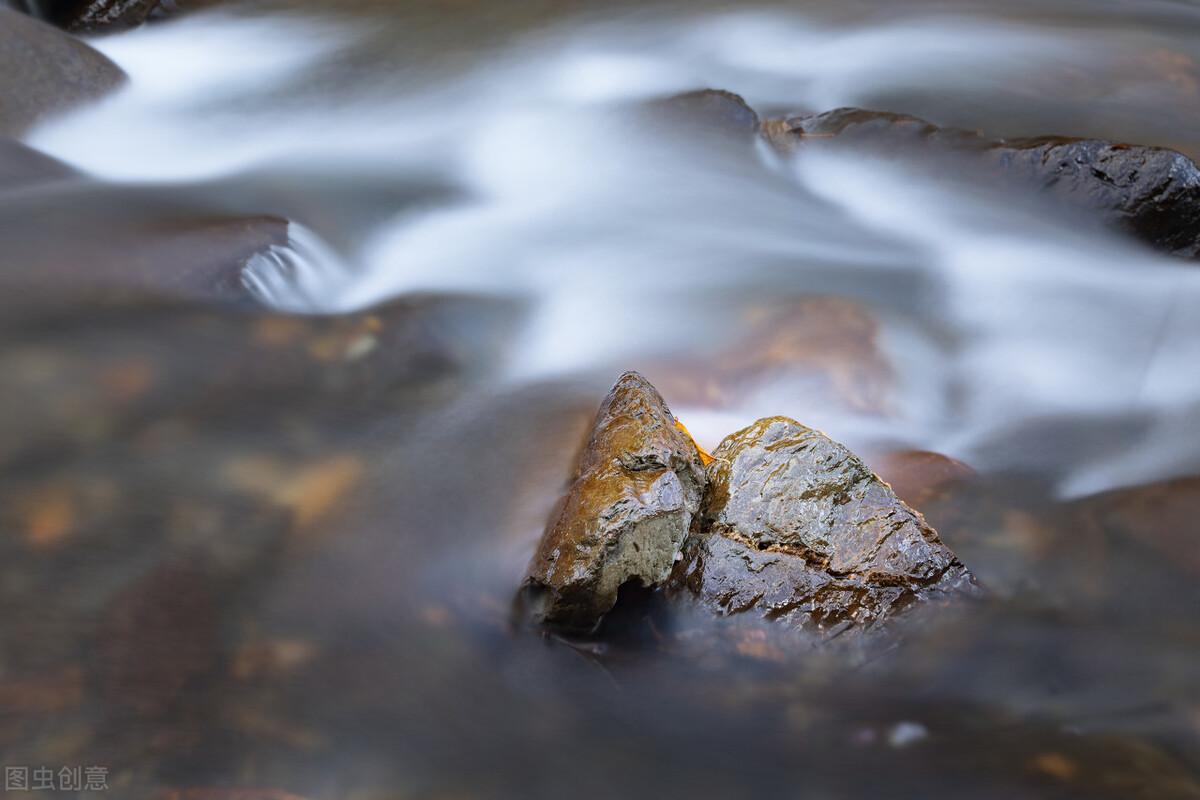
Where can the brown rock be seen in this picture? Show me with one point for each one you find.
(796, 526)
(156, 636)
(919, 477)
(1159, 516)
(625, 517)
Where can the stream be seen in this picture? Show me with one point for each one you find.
(273, 543)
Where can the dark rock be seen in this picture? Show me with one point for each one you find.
(1152, 193)
(96, 15)
(796, 527)
(155, 637)
(714, 110)
(637, 486)
(44, 71)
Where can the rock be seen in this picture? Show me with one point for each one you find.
(638, 484)
(795, 526)
(712, 110)
(23, 166)
(1152, 193)
(1158, 516)
(44, 71)
(919, 477)
(154, 638)
(96, 15)
(76, 245)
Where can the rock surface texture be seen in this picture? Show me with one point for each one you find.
(785, 522)
(1152, 193)
(96, 15)
(44, 71)
(625, 517)
(796, 527)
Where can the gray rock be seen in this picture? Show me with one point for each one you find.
(796, 527)
(23, 166)
(625, 517)
(44, 71)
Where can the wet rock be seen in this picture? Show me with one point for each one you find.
(796, 527)
(637, 486)
(23, 166)
(77, 245)
(96, 15)
(44, 71)
(155, 637)
(1158, 516)
(100, 377)
(713, 110)
(1152, 193)
(919, 477)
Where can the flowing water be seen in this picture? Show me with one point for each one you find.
(483, 234)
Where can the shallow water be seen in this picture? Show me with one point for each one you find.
(277, 549)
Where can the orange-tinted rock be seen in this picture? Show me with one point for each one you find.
(795, 526)
(919, 477)
(625, 517)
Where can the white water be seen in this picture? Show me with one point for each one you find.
(561, 200)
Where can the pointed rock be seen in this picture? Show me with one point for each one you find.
(637, 487)
(795, 526)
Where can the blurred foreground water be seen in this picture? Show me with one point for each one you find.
(266, 535)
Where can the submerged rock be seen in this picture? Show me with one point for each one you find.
(637, 487)
(796, 527)
(1152, 193)
(44, 71)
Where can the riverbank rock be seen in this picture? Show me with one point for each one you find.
(1151, 193)
(637, 487)
(44, 71)
(795, 527)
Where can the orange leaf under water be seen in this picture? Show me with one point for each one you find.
(705, 458)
